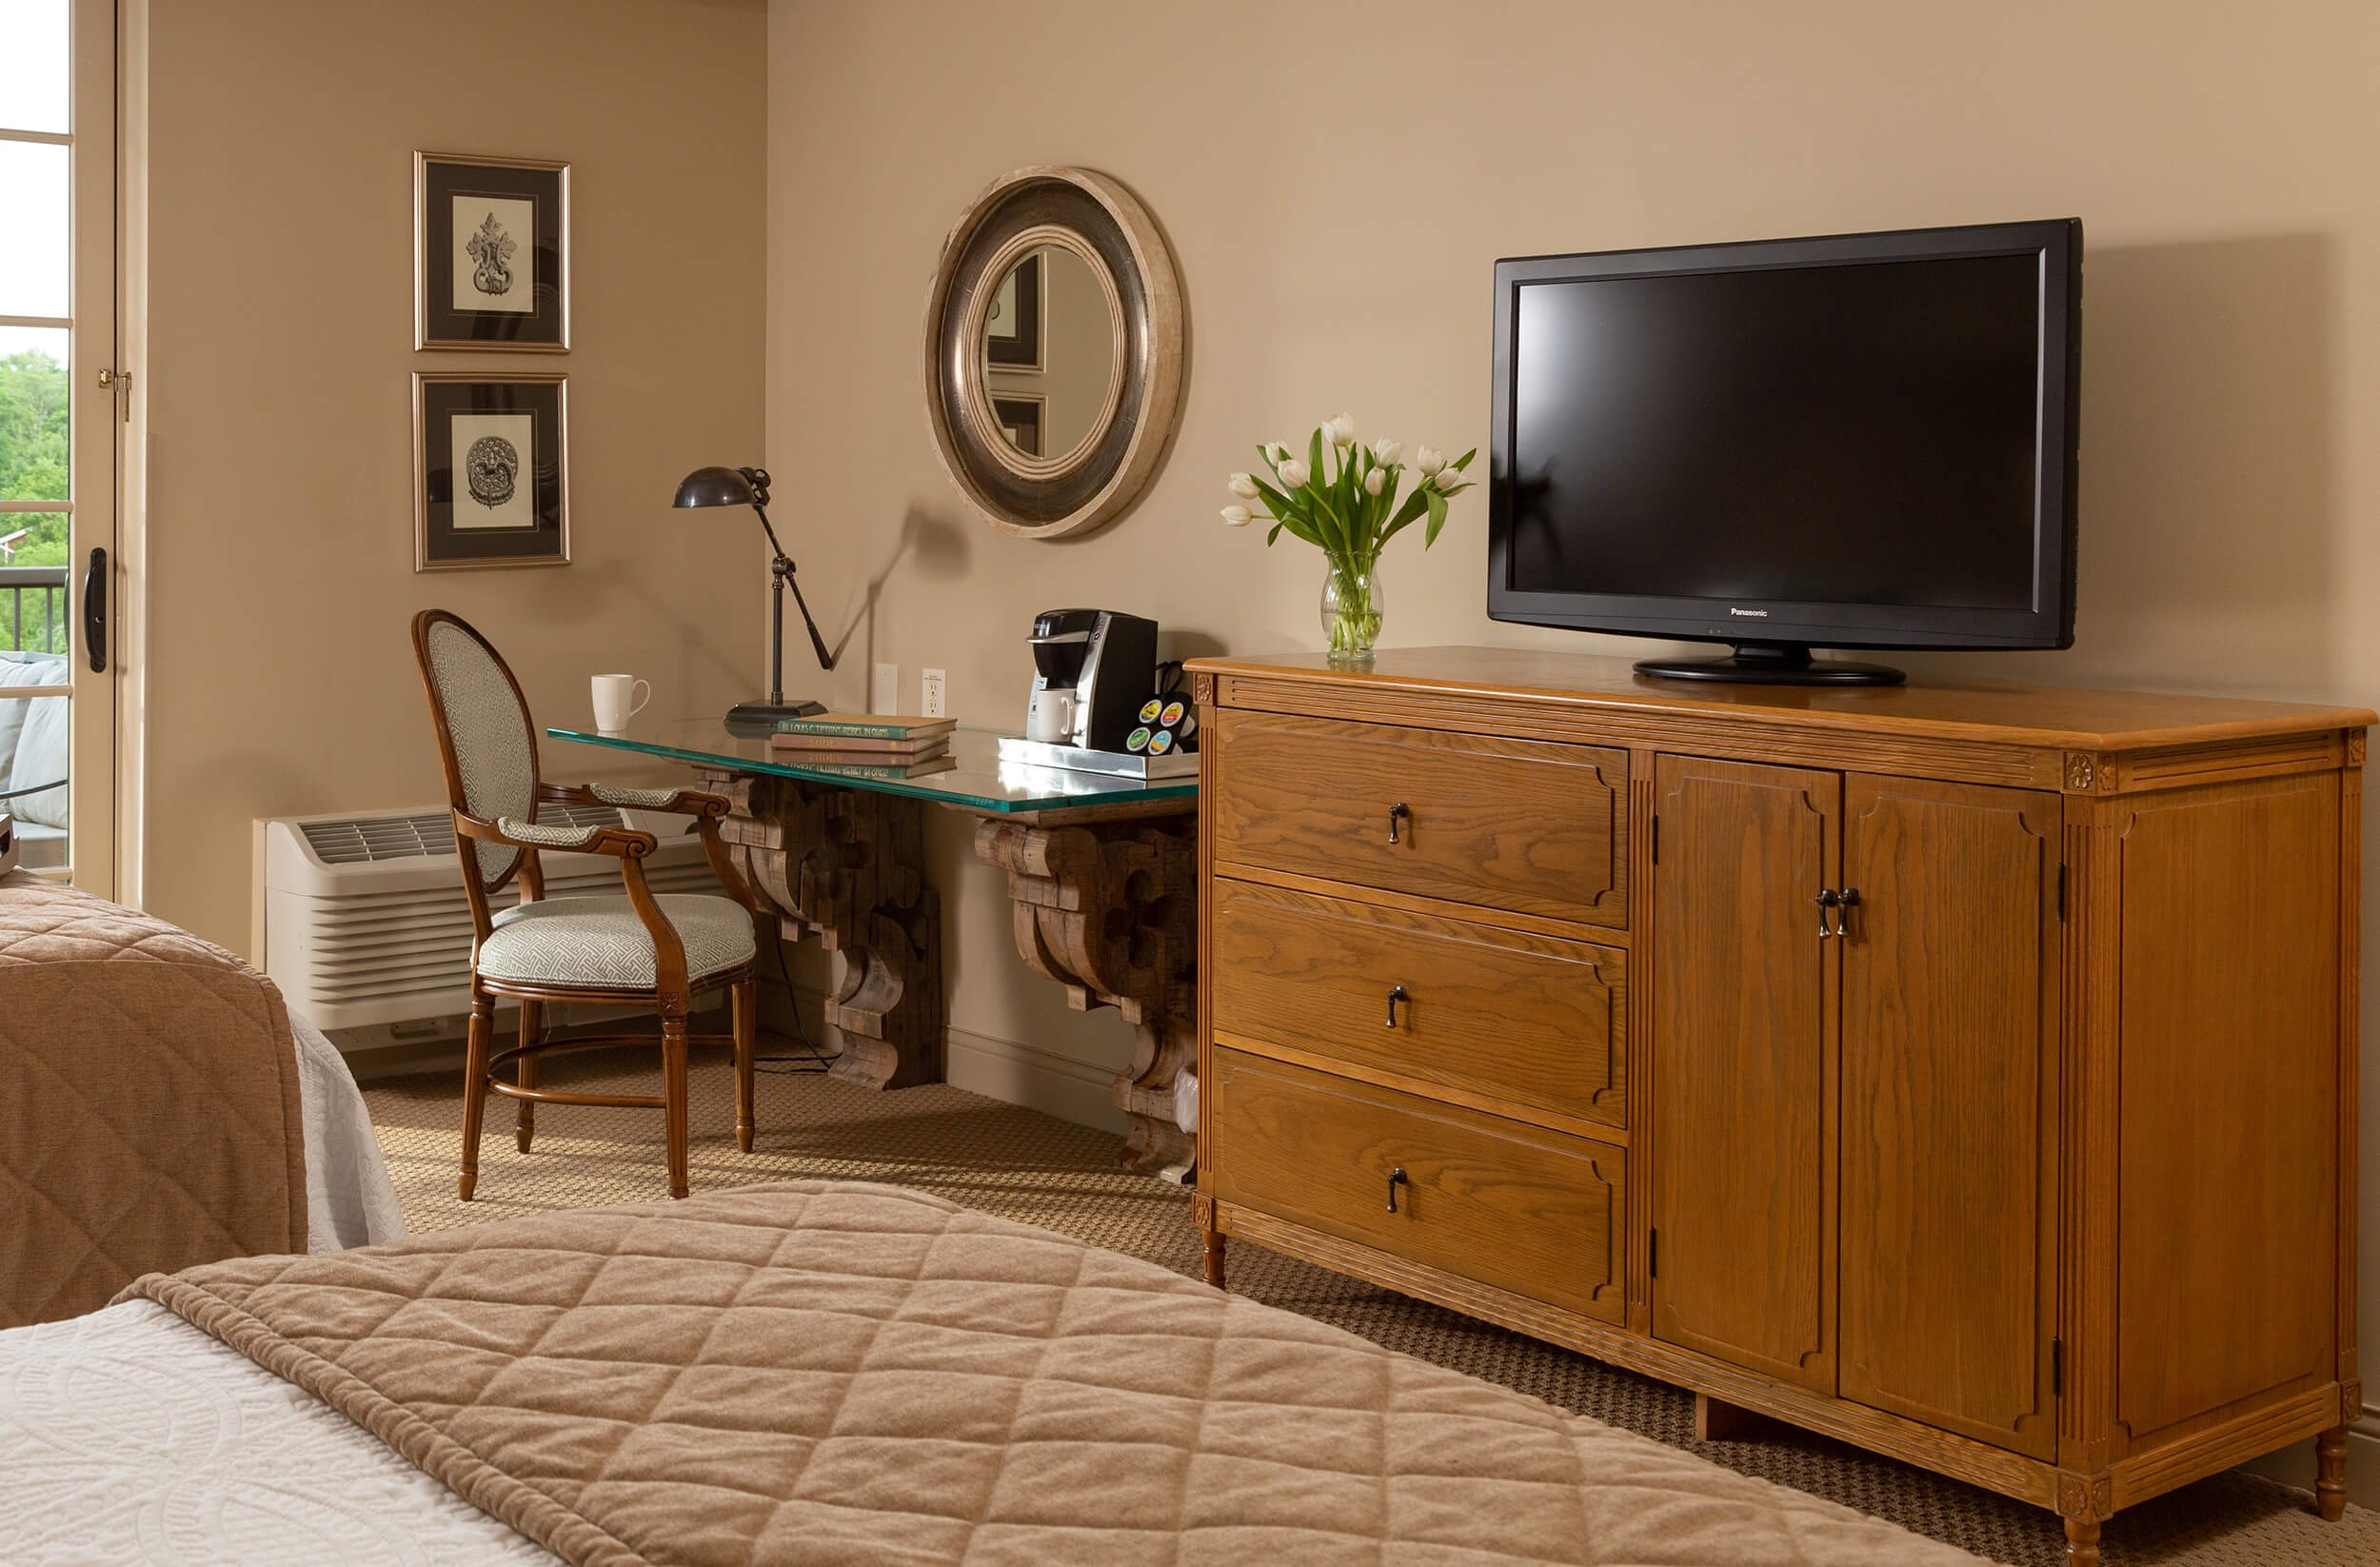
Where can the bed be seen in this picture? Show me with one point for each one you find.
(810, 1374)
(160, 1106)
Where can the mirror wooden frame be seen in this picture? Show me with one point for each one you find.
(1098, 478)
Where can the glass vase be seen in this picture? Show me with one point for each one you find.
(1351, 605)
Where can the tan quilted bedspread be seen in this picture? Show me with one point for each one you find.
(816, 1374)
(149, 1103)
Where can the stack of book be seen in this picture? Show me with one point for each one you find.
(865, 744)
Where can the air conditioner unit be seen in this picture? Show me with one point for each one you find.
(363, 922)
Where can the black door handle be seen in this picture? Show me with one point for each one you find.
(95, 611)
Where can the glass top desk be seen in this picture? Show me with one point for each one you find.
(981, 781)
(1102, 873)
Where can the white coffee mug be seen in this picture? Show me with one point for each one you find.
(1050, 715)
(616, 699)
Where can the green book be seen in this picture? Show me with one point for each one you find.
(865, 726)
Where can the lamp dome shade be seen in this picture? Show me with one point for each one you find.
(714, 487)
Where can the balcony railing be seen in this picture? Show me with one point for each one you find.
(34, 609)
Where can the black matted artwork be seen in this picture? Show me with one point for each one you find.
(490, 471)
(492, 261)
(1012, 333)
(1020, 421)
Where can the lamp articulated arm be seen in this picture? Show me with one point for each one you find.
(781, 578)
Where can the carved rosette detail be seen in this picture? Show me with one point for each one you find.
(2356, 740)
(2084, 1496)
(2086, 773)
(1202, 690)
(1109, 911)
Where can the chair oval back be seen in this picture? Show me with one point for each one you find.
(484, 735)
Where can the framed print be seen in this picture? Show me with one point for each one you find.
(491, 253)
(491, 459)
(1019, 416)
(1012, 333)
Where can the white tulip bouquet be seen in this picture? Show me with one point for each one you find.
(1348, 515)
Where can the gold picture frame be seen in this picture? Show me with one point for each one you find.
(510, 528)
(530, 313)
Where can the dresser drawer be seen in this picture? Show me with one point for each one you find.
(1523, 826)
(1529, 1211)
(1534, 1020)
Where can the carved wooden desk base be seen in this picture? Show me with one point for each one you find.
(849, 866)
(1105, 905)
(1109, 911)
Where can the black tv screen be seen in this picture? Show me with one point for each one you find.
(1864, 441)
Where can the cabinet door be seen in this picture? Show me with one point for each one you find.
(1948, 1205)
(1743, 1157)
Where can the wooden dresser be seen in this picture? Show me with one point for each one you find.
(1967, 1072)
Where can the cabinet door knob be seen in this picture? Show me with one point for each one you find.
(1845, 901)
(1399, 815)
(1396, 1178)
(1827, 900)
(1396, 994)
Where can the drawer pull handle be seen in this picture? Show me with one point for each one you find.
(1396, 994)
(1399, 815)
(1396, 1178)
(1827, 900)
(1845, 901)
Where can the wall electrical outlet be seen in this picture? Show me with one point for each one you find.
(884, 691)
(931, 702)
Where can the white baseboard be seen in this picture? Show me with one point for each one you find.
(1038, 1079)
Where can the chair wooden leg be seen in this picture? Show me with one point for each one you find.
(743, 1001)
(673, 1096)
(476, 1051)
(532, 1014)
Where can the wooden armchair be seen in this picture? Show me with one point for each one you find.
(636, 949)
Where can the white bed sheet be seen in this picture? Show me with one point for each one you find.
(349, 1199)
(131, 1437)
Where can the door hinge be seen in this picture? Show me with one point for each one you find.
(119, 382)
(2061, 891)
(1653, 1254)
(2057, 1367)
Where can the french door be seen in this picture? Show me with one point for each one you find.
(62, 406)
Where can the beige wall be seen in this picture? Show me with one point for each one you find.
(280, 536)
(1336, 181)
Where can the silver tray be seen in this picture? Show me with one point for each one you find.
(1043, 753)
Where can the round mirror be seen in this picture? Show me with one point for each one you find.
(1053, 352)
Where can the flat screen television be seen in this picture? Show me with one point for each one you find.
(1863, 441)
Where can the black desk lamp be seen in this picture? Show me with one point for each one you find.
(717, 487)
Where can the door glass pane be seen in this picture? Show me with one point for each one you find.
(32, 584)
(33, 417)
(34, 256)
(33, 753)
(33, 64)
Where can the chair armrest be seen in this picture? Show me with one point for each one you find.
(624, 842)
(680, 802)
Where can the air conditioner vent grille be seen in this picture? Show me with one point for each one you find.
(357, 840)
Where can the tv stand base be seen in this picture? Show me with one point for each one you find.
(1771, 664)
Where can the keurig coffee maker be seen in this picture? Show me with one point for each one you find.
(1091, 671)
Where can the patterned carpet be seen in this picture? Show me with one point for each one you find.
(1032, 1167)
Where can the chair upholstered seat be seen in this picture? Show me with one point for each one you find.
(600, 943)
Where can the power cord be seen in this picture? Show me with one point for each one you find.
(813, 1060)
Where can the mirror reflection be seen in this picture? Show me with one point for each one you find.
(1049, 352)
